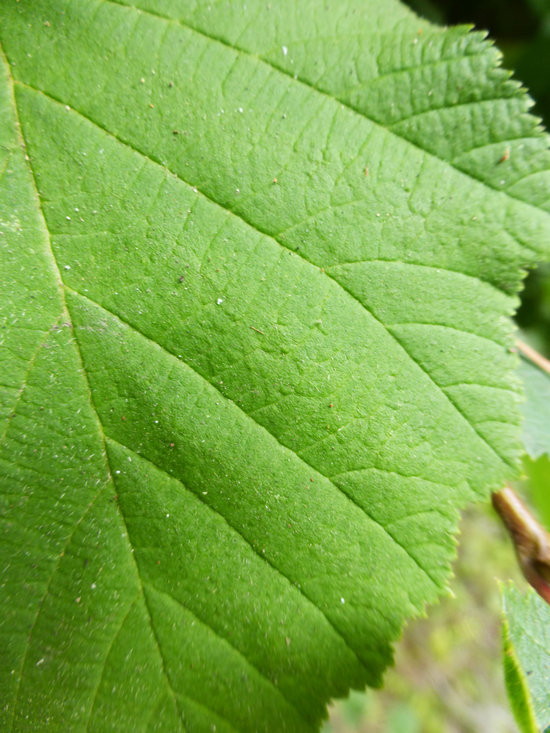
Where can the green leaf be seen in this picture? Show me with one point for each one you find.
(526, 635)
(538, 484)
(260, 264)
(536, 409)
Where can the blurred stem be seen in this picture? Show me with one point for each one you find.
(531, 541)
(534, 356)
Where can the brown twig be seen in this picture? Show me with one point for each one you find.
(531, 541)
(534, 356)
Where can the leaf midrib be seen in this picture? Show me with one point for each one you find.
(102, 436)
(19, 132)
(141, 591)
(110, 480)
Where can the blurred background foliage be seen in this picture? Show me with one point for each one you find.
(448, 674)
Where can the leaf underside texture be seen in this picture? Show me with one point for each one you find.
(260, 262)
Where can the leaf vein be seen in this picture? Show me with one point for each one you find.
(396, 473)
(283, 71)
(106, 657)
(451, 107)
(420, 265)
(183, 363)
(408, 70)
(45, 595)
(235, 529)
(223, 639)
(100, 431)
(482, 439)
(445, 327)
(21, 389)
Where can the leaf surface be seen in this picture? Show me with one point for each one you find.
(261, 264)
(527, 657)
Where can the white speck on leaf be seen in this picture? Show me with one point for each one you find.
(285, 50)
(219, 301)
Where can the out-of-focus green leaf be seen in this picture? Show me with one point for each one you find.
(538, 485)
(526, 634)
(536, 408)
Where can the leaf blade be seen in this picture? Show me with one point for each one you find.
(526, 645)
(276, 388)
